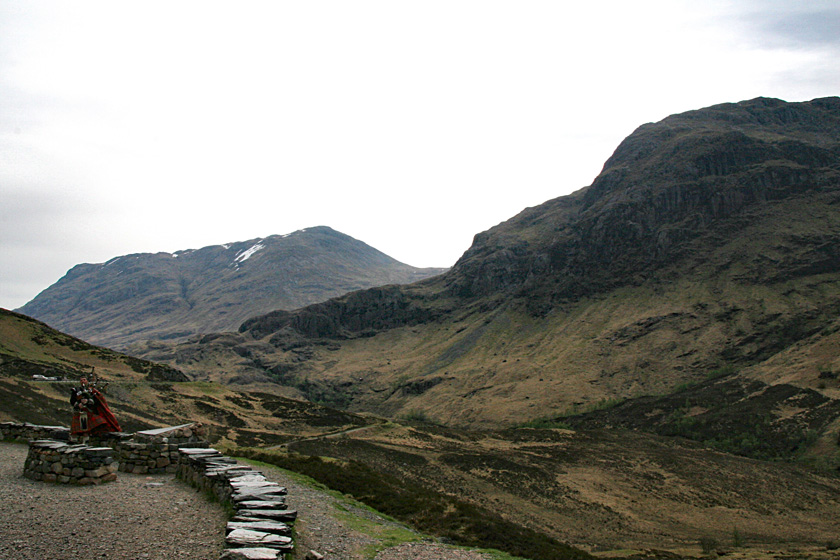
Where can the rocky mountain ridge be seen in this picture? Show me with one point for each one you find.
(215, 288)
(665, 185)
(680, 185)
(709, 241)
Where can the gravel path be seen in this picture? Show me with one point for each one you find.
(137, 517)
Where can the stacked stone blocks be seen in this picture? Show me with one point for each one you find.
(55, 461)
(156, 451)
(145, 452)
(259, 528)
(27, 431)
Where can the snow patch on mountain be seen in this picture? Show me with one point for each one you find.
(243, 256)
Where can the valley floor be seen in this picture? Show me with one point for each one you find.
(342, 529)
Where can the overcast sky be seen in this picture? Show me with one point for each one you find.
(409, 125)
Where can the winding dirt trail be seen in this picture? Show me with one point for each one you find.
(327, 435)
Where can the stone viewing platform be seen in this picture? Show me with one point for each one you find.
(260, 525)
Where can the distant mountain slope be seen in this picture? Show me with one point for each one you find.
(710, 242)
(172, 296)
(675, 189)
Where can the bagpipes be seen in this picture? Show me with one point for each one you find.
(96, 383)
(89, 391)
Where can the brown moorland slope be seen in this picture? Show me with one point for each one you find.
(142, 394)
(603, 491)
(613, 492)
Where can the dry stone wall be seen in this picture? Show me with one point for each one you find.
(56, 461)
(155, 451)
(260, 527)
(145, 452)
(26, 431)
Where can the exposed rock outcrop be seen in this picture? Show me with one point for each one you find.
(691, 176)
(365, 311)
(666, 185)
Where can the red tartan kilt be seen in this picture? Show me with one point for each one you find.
(90, 423)
(76, 426)
(93, 423)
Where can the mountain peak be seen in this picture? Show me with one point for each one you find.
(174, 295)
(708, 246)
(665, 186)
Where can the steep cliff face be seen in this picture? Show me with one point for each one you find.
(666, 185)
(358, 313)
(173, 296)
(693, 176)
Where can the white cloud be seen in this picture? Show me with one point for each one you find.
(411, 126)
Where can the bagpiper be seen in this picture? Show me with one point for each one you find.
(91, 414)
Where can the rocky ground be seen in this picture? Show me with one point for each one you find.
(137, 517)
(158, 517)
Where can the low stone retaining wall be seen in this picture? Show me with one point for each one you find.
(145, 452)
(56, 461)
(156, 451)
(259, 528)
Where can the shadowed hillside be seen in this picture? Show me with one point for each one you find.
(611, 492)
